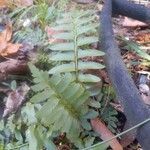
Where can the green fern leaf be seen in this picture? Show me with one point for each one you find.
(86, 28)
(85, 13)
(31, 134)
(66, 21)
(39, 87)
(63, 27)
(62, 47)
(88, 78)
(63, 101)
(68, 78)
(62, 68)
(38, 76)
(90, 53)
(87, 40)
(69, 56)
(64, 36)
(86, 20)
(71, 67)
(42, 96)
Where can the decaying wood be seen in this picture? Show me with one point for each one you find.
(105, 134)
(12, 66)
(135, 11)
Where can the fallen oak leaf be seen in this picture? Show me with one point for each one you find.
(7, 33)
(7, 48)
(5, 36)
(3, 45)
(11, 49)
(15, 99)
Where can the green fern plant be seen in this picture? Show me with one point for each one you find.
(25, 132)
(77, 30)
(64, 103)
(33, 36)
(107, 113)
(140, 52)
(133, 46)
(44, 14)
(41, 13)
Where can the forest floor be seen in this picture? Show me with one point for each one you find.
(26, 33)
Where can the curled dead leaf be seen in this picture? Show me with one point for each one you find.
(10, 49)
(3, 45)
(15, 99)
(7, 33)
(6, 47)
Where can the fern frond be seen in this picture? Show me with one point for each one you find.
(76, 29)
(62, 99)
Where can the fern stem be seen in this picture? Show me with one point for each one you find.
(75, 51)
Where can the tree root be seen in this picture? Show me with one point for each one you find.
(134, 108)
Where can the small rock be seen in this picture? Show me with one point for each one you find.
(144, 88)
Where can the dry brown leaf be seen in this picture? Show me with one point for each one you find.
(143, 37)
(15, 99)
(3, 45)
(105, 133)
(11, 49)
(128, 22)
(3, 3)
(23, 2)
(7, 33)
(6, 47)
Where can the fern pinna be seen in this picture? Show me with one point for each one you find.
(64, 102)
(76, 30)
